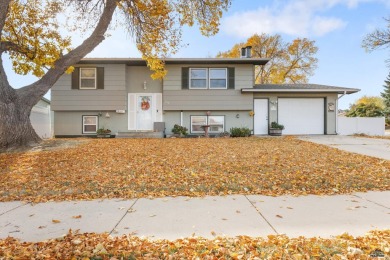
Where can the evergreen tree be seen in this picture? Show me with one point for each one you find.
(386, 93)
(386, 98)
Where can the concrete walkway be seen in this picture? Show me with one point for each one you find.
(173, 218)
(379, 148)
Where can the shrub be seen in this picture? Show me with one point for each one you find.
(224, 134)
(240, 132)
(179, 130)
(277, 126)
(102, 131)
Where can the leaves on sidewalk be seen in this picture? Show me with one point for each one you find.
(103, 246)
(130, 168)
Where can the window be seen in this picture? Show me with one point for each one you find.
(90, 124)
(218, 79)
(198, 78)
(213, 78)
(216, 123)
(197, 122)
(87, 78)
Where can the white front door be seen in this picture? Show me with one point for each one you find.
(144, 110)
(261, 117)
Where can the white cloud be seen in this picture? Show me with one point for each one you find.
(292, 17)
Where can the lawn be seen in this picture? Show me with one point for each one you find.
(129, 168)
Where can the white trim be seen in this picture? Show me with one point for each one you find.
(97, 123)
(131, 111)
(226, 78)
(190, 78)
(95, 77)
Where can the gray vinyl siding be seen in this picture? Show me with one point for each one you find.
(206, 100)
(112, 97)
(173, 117)
(244, 75)
(330, 117)
(135, 78)
(70, 123)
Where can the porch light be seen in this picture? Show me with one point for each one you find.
(107, 115)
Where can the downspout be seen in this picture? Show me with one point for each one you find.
(181, 118)
(337, 111)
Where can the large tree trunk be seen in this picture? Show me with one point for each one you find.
(16, 105)
(15, 127)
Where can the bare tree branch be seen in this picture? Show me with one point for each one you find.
(35, 91)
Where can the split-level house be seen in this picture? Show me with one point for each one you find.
(119, 94)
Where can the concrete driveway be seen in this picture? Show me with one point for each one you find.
(379, 148)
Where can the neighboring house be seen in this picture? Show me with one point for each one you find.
(41, 118)
(119, 94)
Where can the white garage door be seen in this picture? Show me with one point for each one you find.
(301, 116)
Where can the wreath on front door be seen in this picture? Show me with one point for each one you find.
(145, 105)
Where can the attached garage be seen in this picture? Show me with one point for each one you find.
(303, 109)
(302, 116)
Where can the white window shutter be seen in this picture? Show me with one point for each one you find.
(158, 100)
(132, 105)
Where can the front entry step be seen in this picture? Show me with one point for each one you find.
(140, 135)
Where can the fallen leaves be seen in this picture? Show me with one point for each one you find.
(55, 221)
(103, 246)
(149, 168)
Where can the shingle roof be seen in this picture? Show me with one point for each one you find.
(141, 62)
(299, 88)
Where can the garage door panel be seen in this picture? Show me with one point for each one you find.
(301, 115)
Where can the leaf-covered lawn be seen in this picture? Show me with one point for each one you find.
(374, 245)
(128, 168)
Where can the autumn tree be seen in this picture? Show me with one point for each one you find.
(289, 62)
(29, 35)
(367, 106)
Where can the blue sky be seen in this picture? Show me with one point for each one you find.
(337, 26)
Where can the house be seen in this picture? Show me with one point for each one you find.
(221, 93)
(41, 118)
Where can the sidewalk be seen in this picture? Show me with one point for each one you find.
(173, 218)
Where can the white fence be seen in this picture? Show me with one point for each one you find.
(41, 121)
(361, 125)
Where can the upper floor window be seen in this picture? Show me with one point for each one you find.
(198, 78)
(212, 78)
(218, 79)
(87, 78)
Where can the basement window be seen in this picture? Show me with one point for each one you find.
(90, 124)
